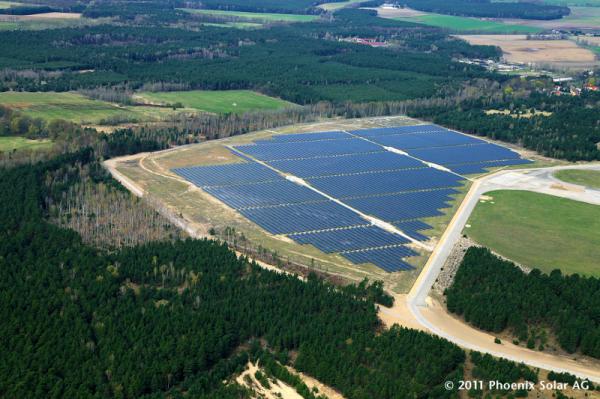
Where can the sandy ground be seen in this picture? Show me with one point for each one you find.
(437, 315)
(386, 12)
(278, 388)
(517, 48)
(44, 16)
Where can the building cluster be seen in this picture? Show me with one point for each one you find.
(365, 41)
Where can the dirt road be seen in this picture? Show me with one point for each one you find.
(433, 317)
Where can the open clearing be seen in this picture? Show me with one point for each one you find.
(585, 18)
(236, 101)
(516, 48)
(460, 24)
(588, 178)
(263, 17)
(17, 143)
(75, 107)
(338, 5)
(538, 230)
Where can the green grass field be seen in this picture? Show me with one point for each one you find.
(68, 106)
(17, 143)
(235, 101)
(538, 230)
(588, 178)
(263, 17)
(338, 5)
(465, 24)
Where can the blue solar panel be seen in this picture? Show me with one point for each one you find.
(412, 205)
(426, 140)
(227, 174)
(294, 150)
(349, 239)
(303, 217)
(413, 228)
(346, 164)
(386, 131)
(464, 154)
(481, 167)
(388, 259)
(300, 137)
(385, 182)
(264, 194)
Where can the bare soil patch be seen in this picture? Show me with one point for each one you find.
(386, 12)
(516, 48)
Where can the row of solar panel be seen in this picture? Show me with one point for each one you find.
(310, 149)
(413, 228)
(345, 186)
(388, 259)
(397, 130)
(227, 174)
(278, 192)
(296, 218)
(346, 164)
(403, 206)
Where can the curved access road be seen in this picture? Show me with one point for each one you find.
(432, 316)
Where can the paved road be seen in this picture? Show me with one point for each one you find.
(435, 318)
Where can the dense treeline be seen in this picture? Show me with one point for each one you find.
(482, 8)
(167, 318)
(274, 6)
(267, 60)
(490, 9)
(571, 131)
(494, 294)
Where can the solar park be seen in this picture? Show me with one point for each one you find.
(360, 194)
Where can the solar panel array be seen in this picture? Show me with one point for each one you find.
(357, 170)
(456, 151)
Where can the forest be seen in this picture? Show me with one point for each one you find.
(170, 317)
(267, 60)
(495, 295)
(490, 9)
(570, 131)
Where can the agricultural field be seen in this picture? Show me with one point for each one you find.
(220, 184)
(458, 24)
(220, 102)
(584, 18)
(538, 230)
(556, 53)
(17, 143)
(77, 108)
(262, 17)
(338, 5)
(74, 107)
(588, 178)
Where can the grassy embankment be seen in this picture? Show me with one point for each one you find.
(588, 178)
